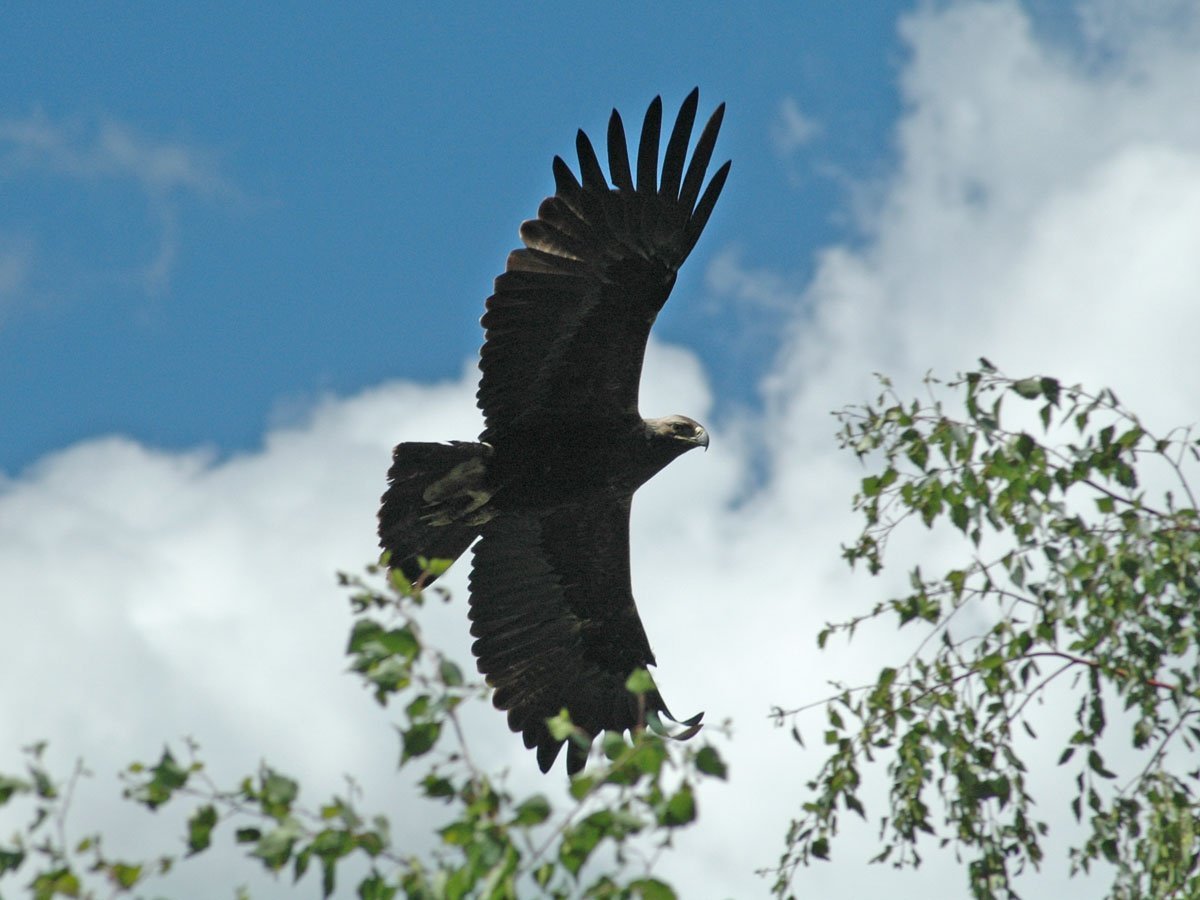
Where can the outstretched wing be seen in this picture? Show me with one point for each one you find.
(567, 325)
(556, 625)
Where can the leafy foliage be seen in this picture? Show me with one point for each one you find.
(1086, 585)
(621, 810)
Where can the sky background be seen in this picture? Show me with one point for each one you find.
(243, 252)
(316, 199)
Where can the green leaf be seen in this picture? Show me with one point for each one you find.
(639, 682)
(275, 847)
(649, 754)
(1096, 764)
(533, 811)
(577, 845)
(437, 786)
(361, 632)
(124, 875)
(333, 842)
(581, 785)
(61, 881)
(957, 580)
(375, 887)
(451, 674)
(301, 862)
(960, 515)
(10, 860)
(328, 876)
(372, 843)
(1131, 438)
(613, 744)
(401, 642)
(419, 739)
(1025, 445)
(434, 567)
(400, 583)
(277, 793)
(10, 786)
(200, 826)
(652, 889)
(918, 453)
(543, 874)
(1050, 389)
(419, 708)
(165, 779)
(560, 726)
(709, 762)
(680, 809)
(460, 834)
(1029, 388)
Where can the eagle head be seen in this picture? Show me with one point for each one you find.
(677, 432)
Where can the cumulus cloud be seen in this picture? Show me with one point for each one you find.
(1043, 213)
(763, 290)
(1036, 205)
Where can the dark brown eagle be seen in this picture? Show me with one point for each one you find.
(547, 488)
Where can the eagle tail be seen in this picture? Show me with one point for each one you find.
(435, 504)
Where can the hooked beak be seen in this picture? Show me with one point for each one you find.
(702, 439)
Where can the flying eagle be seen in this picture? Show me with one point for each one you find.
(547, 487)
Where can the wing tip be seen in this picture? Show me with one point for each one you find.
(589, 165)
(647, 157)
(547, 752)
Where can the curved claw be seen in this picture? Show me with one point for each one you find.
(691, 725)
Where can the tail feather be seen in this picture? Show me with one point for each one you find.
(435, 504)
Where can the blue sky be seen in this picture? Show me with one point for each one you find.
(244, 252)
(349, 181)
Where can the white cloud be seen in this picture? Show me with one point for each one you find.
(1034, 207)
(761, 290)
(793, 129)
(1131, 32)
(163, 172)
(1043, 212)
(107, 149)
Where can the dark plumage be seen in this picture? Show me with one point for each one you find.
(547, 488)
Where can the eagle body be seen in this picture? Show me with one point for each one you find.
(545, 493)
(568, 459)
